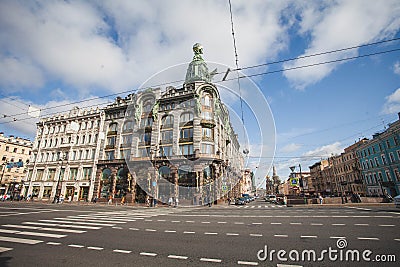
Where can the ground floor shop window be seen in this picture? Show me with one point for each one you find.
(47, 191)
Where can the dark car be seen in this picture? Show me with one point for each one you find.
(240, 201)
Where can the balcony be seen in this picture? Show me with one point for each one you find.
(110, 146)
(186, 140)
(209, 123)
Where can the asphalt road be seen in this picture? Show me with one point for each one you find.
(33, 234)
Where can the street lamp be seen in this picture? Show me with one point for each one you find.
(58, 190)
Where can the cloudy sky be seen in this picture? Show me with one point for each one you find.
(53, 53)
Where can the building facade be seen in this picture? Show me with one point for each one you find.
(152, 144)
(379, 159)
(176, 142)
(15, 153)
(65, 155)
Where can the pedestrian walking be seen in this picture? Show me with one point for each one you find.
(229, 200)
(321, 199)
(176, 202)
(109, 200)
(170, 202)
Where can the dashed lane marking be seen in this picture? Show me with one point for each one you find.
(232, 234)
(75, 246)
(308, 236)
(170, 231)
(63, 225)
(134, 229)
(252, 263)
(95, 248)
(148, 254)
(122, 251)
(53, 243)
(367, 238)
(189, 232)
(337, 237)
(177, 257)
(317, 224)
(338, 224)
(210, 233)
(256, 235)
(221, 222)
(387, 225)
(210, 260)
(281, 235)
(150, 230)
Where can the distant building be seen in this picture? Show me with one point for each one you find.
(14, 153)
(379, 159)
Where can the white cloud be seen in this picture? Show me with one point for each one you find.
(392, 104)
(290, 148)
(337, 25)
(16, 121)
(396, 67)
(325, 151)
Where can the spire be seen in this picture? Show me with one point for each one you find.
(197, 69)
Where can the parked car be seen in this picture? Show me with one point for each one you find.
(240, 201)
(397, 201)
(271, 199)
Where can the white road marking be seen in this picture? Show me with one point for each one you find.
(281, 235)
(75, 246)
(256, 235)
(161, 220)
(397, 239)
(175, 221)
(295, 223)
(361, 224)
(20, 240)
(276, 223)
(63, 225)
(62, 230)
(3, 249)
(288, 265)
(239, 222)
(134, 229)
(205, 222)
(148, 254)
(122, 251)
(210, 260)
(387, 225)
(232, 234)
(308, 236)
(317, 224)
(40, 234)
(73, 222)
(337, 237)
(190, 221)
(7, 231)
(95, 248)
(188, 232)
(21, 226)
(147, 220)
(53, 243)
(338, 224)
(257, 223)
(117, 227)
(210, 233)
(170, 231)
(221, 222)
(150, 230)
(177, 257)
(252, 263)
(367, 238)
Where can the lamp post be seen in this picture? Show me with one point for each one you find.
(58, 190)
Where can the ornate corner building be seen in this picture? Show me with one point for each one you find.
(155, 143)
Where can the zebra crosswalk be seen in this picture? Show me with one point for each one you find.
(32, 232)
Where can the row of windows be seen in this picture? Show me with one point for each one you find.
(84, 139)
(367, 164)
(389, 143)
(75, 155)
(377, 178)
(73, 174)
(82, 126)
(16, 150)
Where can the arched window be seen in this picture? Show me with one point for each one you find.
(113, 127)
(147, 106)
(128, 126)
(105, 183)
(167, 121)
(206, 100)
(186, 117)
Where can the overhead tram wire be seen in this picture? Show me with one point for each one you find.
(240, 77)
(237, 72)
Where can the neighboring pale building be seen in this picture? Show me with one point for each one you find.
(14, 153)
(65, 154)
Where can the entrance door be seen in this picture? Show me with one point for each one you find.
(69, 193)
(84, 193)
